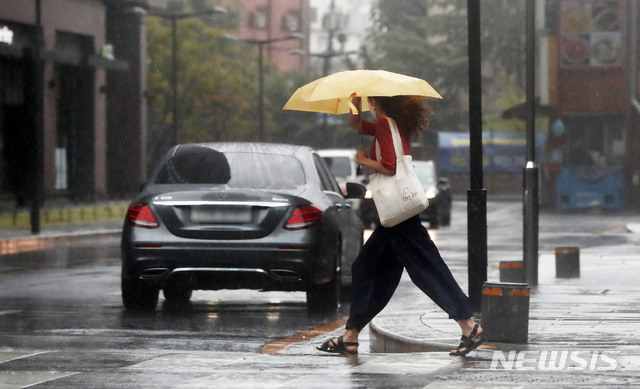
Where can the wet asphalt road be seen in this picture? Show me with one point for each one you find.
(62, 324)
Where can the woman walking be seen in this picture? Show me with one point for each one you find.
(377, 270)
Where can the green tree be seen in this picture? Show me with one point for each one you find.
(214, 84)
(428, 39)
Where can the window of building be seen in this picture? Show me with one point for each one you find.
(259, 17)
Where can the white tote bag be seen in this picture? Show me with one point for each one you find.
(400, 196)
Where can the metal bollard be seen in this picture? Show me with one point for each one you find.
(567, 262)
(505, 312)
(512, 271)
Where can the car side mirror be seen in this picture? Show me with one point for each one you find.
(443, 181)
(355, 191)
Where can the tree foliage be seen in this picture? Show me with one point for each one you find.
(428, 39)
(214, 84)
(218, 85)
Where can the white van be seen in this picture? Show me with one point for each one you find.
(342, 163)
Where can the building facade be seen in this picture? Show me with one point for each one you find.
(262, 20)
(72, 112)
(588, 68)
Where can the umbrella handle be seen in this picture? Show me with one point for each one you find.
(363, 148)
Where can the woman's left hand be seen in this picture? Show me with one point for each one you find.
(361, 156)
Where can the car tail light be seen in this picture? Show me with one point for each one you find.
(140, 215)
(303, 217)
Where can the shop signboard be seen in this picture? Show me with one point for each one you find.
(590, 33)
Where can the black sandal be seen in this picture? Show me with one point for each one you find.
(340, 348)
(468, 343)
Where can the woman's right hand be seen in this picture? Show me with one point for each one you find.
(354, 120)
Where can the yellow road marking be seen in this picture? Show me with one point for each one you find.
(277, 347)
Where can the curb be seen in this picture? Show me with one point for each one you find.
(61, 235)
(382, 341)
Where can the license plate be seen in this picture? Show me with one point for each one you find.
(221, 215)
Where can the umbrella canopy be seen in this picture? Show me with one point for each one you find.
(333, 93)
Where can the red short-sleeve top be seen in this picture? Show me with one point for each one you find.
(382, 133)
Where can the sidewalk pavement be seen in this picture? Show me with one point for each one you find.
(16, 240)
(600, 310)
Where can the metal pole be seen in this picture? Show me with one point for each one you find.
(38, 99)
(261, 92)
(260, 44)
(530, 196)
(174, 81)
(476, 195)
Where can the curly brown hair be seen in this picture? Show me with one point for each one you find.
(411, 113)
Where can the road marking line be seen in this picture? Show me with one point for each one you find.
(277, 347)
(6, 356)
(29, 378)
(9, 312)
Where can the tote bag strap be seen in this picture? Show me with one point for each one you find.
(397, 140)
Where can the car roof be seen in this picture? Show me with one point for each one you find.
(276, 148)
(337, 152)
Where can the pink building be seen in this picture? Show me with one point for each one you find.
(263, 20)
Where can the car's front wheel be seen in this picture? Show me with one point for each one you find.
(434, 220)
(327, 297)
(446, 219)
(138, 295)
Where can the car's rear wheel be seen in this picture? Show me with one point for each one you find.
(327, 297)
(138, 295)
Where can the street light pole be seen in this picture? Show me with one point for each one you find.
(261, 43)
(261, 89)
(174, 82)
(173, 19)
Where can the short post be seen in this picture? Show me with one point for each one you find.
(567, 262)
(512, 271)
(505, 312)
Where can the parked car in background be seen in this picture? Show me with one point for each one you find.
(438, 191)
(342, 163)
(239, 215)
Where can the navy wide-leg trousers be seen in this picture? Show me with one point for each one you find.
(379, 266)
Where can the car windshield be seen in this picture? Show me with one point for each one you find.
(340, 166)
(241, 170)
(426, 174)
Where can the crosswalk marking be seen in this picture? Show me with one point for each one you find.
(24, 379)
(13, 354)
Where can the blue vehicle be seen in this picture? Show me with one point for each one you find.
(583, 187)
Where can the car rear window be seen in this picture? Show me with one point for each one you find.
(340, 166)
(242, 170)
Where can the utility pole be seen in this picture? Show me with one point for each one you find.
(476, 195)
(38, 106)
(530, 196)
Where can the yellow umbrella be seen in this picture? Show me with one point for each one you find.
(333, 93)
